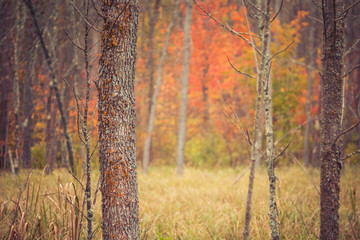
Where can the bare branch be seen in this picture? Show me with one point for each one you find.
(286, 48)
(97, 11)
(241, 175)
(84, 17)
(281, 4)
(316, 4)
(247, 75)
(346, 131)
(351, 48)
(346, 11)
(307, 173)
(294, 130)
(351, 70)
(227, 28)
(255, 7)
(316, 19)
(350, 155)
(287, 146)
(76, 45)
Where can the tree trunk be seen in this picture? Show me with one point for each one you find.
(151, 122)
(53, 82)
(184, 90)
(309, 93)
(331, 114)
(117, 144)
(29, 108)
(16, 82)
(85, 130)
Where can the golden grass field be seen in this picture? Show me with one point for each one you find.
(203, 204)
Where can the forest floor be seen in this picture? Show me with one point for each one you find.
(203, 204)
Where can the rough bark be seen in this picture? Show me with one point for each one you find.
(269, 134)
(330, 120)
(117, 144)
(184, 90)
(86, 133)
(152, 114)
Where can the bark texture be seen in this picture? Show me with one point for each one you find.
(120, 210)
(184, 90)
(331, 113)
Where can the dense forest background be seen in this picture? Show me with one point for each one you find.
(35, 136)
(49, 92)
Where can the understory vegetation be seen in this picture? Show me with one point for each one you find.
(203, 204)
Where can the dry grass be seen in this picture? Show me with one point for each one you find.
(203, 204)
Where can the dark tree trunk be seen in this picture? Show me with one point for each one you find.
(53, 82)
(117, 150)
(331, 115)
(28, 110)
(4, 120)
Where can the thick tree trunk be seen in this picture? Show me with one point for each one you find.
(151, 122)
(331, 114)
(117, 150)
(184, 90)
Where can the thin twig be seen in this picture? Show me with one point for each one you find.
(312, 182)
(227, 28)
(277, 13)
(295, 129)
(245, 74)
(255, 7)
(351, 48)
(82, 15)
(316, 19)
(346, 131)
(350, 155)
(241, 175)
(287, 146)
(281, 51)
(97, 11)
(97, 190)
(346, 11)
(316, 4)
(76, 45)
(81, 185)
(352, 69)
